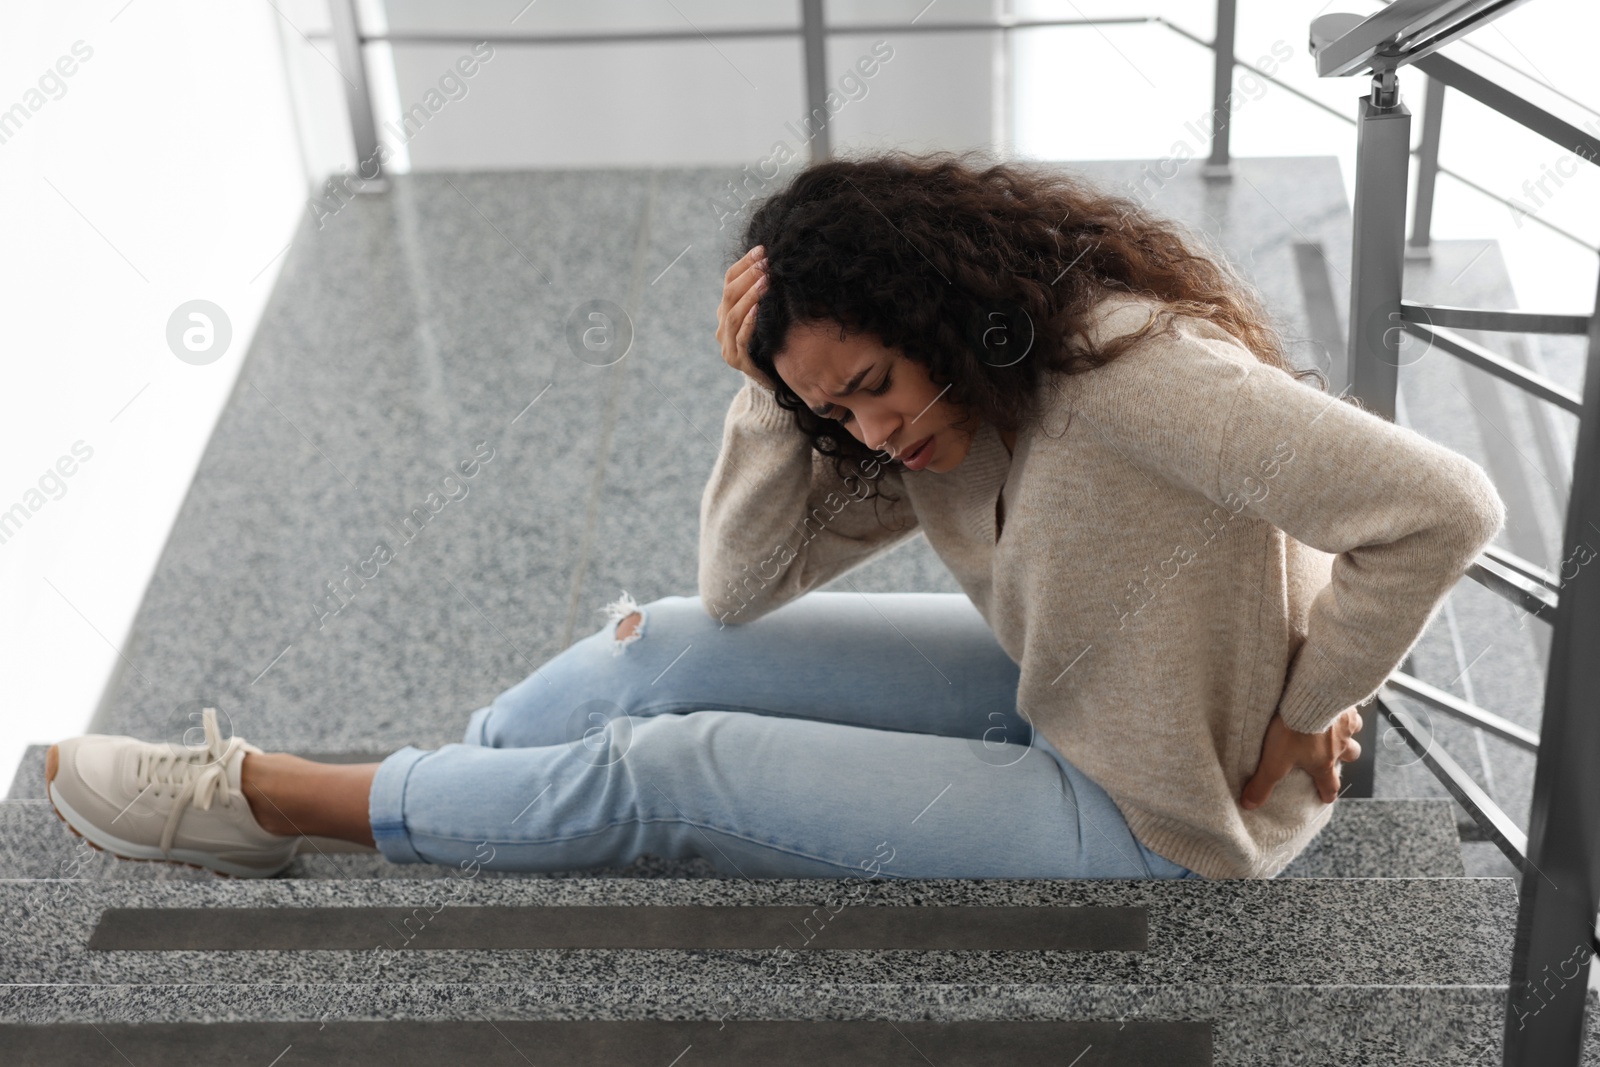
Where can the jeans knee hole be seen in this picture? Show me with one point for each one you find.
(625, 613)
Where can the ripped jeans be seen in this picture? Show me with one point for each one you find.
(842, 734)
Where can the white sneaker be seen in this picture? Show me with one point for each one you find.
(165, 801)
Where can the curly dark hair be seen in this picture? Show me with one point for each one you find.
(946, 256)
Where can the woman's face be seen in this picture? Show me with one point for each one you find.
(819, 366)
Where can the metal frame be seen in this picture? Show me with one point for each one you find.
(358, 95)
(813, 31)
(1559, 858)
(1406, 30)
(1470, 83)
(1561, 884)
(1420, 691)
(1218, 165)
(1443, 73)
(716, 34)
(1531, 597)
(1459, 318)
(1427, 171)
(1383, 158)
(1491, 362)
(1517, 564)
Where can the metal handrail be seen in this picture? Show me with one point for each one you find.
(1532, 572)
(1463, 318)
(813, 29)
(716, 34)
(1495, 823)
(1337, 37)
(1536, 79)
(1471, 714)
(1529, 596)
(1559, 859)
(1217, 164)
(1523, 112)
(1403, 32)
(1492, 362)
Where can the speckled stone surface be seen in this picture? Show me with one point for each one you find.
(1268, 963)
(1289, 1025)
(27, 781)
(585, 1042)
(1431, 931)
(411, 327)
(1363, 839)
(1384, 839)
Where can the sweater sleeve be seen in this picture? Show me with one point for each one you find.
(777, 520)
(1403, 516)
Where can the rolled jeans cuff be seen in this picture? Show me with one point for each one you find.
(386, 805)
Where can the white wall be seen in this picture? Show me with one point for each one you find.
(162, 170)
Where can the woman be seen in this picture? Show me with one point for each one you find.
(1182, 569)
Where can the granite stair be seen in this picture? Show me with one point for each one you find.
(1298, 971)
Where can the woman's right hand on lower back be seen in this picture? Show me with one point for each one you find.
(1319, 755)
(742, 287)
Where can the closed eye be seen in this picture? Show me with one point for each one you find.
(888, 380)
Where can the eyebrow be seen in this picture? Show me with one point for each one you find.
(849, 387)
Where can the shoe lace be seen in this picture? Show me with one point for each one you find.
(199, 773)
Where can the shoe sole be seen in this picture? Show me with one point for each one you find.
(127, 850)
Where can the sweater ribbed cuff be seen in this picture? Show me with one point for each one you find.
(1309, 707)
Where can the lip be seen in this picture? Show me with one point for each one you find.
(918, 457)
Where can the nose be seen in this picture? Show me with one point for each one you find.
(878, 432)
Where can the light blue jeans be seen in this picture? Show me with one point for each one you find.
(844, 734)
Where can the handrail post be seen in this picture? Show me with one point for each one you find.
(1377, 258)
(346, 31)
(1427, 171)
(816, 48)
(1377, 265)
(1549, 983)
(1218, 165)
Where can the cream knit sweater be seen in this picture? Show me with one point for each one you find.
(1192, 539)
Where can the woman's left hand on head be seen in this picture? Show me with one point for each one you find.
(1319, 755)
